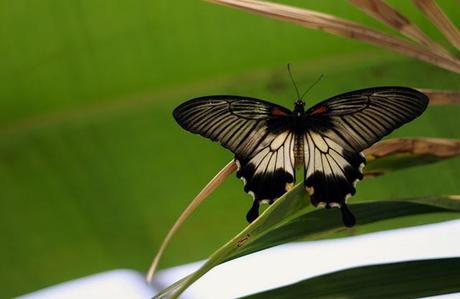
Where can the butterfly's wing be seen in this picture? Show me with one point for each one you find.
(338, 129)
(256, 132)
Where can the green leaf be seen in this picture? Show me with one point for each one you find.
(371, 216)
(413, 279)
(320, 224)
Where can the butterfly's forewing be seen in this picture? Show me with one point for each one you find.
(338, 129)
(358, 119)
(256, 131)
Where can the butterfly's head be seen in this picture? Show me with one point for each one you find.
(299, 106)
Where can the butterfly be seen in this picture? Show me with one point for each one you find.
(269, 141)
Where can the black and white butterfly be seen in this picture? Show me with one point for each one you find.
(270, 141)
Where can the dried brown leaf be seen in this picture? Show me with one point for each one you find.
(442, 97)
(438, 147)
(338, 26)
(431, 9)
(382, 11)
(204, 193)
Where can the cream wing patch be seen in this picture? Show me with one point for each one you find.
(331, 171)
(269, 172)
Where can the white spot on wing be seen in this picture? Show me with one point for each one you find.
(361, 167)
(347, 197)
(354, 183)
(238, 165)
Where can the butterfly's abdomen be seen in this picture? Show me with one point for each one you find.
(298, 151)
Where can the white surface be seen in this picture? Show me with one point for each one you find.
(115, 284)
(274, 267)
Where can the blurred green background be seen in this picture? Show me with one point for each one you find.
(94, 169)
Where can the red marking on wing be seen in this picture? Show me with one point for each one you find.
(319, 110)
(278, 112)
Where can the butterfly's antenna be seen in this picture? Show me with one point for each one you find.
(293, 82)
(311, 86)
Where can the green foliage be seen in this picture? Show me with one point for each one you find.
(413, 279)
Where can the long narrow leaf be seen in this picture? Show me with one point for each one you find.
(208, 189)
(442, 97)
(398, 153)
(431, 9)
(372, 217)
(413, 279)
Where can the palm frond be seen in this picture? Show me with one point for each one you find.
(442, 97)
(391, 17)
(439, 18)
(345, 28)
(437, 147)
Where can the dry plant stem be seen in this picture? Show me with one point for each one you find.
(439, 18)
(204, 193)
(332, 24)
(380, 10)
(439, 147)
(442, 97)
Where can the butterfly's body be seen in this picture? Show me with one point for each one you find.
(270, 141)
(298, 151)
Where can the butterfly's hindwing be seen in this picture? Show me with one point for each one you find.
(331, 172)
(269, 172)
